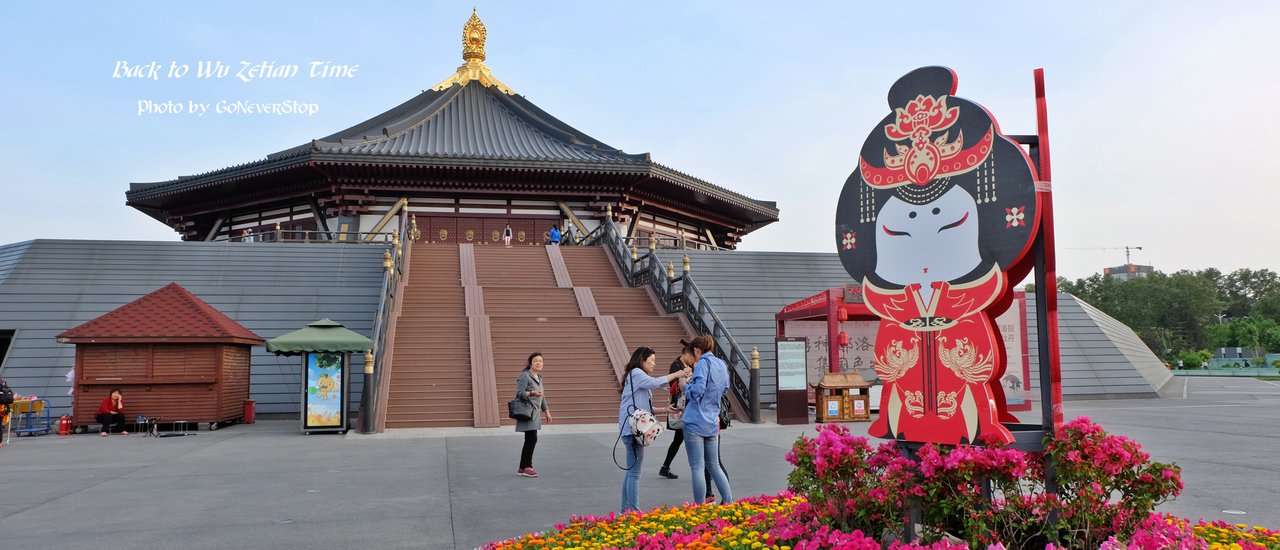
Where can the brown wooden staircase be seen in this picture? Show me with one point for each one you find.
(431, 376)
(471, 316)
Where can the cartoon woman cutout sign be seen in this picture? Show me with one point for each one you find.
(936, 223)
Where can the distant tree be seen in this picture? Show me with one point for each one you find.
(1241, 289)
(1247, 332)
(1268, 306)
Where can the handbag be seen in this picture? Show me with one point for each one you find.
(675, 418)
(520, 410)
(644, 427)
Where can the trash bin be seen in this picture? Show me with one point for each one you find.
(249, 407)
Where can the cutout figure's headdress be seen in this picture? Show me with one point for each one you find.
(926, 158)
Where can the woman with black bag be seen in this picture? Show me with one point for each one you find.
(529, 390)
(638, 384)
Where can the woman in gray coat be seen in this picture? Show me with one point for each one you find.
(529, 388)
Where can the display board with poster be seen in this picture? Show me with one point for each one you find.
(324, 396)
(792, 390)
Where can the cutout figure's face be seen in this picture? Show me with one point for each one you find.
(937, 241)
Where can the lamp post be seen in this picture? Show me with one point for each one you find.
(366, 395)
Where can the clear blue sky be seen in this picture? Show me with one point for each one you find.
(1163, 114)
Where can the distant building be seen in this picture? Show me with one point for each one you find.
(1128, 271)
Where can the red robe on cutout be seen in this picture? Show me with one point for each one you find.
(937, 361)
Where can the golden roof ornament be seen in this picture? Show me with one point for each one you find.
(474, 35)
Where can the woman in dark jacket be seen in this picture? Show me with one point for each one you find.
(529, 388)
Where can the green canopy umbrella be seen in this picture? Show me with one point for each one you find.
(323, 336)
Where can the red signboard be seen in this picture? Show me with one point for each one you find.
(935, 224)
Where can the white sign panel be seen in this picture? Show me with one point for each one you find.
(791, 365)
(858, 355)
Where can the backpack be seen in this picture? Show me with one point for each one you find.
(6, 393)
(726, 411)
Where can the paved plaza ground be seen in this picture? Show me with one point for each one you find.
(267, 486)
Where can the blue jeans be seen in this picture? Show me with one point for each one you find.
(704, 455)
(631, 483)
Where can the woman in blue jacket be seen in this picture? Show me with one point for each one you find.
(702, 419)
(638, 383)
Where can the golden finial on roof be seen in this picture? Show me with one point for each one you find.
(474, 35)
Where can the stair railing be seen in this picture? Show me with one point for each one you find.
(395, 259)
(679, 294)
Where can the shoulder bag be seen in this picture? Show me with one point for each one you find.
(520, 409)
(645, 427)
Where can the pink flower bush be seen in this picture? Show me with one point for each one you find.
(849, 485)
(984, 495)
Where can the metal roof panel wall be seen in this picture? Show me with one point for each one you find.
(747, 288)
(270, 288)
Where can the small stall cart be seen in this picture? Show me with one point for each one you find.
(31, 417)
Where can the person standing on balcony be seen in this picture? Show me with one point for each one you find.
(702, 419)
(529, 388)
(554, 235)
(638, 383)
(506, 235)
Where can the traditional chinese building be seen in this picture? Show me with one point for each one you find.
(465, 157)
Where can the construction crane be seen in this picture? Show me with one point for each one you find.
(1127, 250)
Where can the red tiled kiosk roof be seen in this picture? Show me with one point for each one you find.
(171, 314)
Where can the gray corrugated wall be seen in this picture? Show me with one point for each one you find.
(270, 288)
(748, 288)
(1100, 356)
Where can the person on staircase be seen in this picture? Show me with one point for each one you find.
(506, 235)
(702, 419)
(529, 388)
(638, 383)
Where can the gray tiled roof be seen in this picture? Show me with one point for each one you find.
(1101, 357)
(470, 126)
(473, 121)
(270, 288)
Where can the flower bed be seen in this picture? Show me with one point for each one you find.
(777, 522)
(846, 494)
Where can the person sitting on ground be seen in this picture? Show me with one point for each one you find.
(111, 412)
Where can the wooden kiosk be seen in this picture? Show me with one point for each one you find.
(837, 400)
(173, 356)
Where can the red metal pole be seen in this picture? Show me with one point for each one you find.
(1050, 281)
(833, 331)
